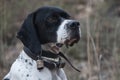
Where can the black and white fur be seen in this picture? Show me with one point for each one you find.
(45, 25)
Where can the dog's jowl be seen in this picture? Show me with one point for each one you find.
(43, 33)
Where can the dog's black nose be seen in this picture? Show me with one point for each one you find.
(73, 25)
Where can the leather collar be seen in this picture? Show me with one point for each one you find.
(51, 60)
(45, 54)
(51, 64)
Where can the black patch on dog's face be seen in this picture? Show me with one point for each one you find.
(47, 21)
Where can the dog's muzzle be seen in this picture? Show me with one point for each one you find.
(73, 30)
(69, 32)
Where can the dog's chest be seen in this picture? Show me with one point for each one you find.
(27, 70)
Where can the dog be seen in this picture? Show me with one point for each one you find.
(43, 33)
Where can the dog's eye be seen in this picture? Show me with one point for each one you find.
(52, 19)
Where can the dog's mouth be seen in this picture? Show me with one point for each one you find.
(71, 42)
(68, 42)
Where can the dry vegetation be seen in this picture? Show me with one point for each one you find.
(98, 52)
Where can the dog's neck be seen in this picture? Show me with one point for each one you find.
(51, 47)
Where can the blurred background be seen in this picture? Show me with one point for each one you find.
(97, 54)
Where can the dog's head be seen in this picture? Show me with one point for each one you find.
(48, 25)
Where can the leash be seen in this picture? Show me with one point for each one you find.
(63, 56)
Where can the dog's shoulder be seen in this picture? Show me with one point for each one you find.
(25, 68)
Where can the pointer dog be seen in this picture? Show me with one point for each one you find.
(43, 33)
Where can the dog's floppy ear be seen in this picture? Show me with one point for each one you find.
(28, 34)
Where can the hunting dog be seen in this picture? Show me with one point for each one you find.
(43, 33)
